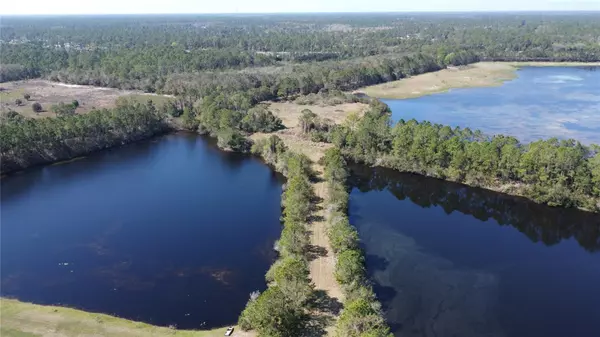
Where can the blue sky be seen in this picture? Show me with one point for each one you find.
(274, 6)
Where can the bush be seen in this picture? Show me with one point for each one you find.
(37, 107)
(259, 119)
(342, 236)
(273, 315)
(293, 240)
(362, 318)
(291, 276)
(350, 267)
(18, 102)
(26, 97)
(231, 139)
(62, 109)
(272, 150)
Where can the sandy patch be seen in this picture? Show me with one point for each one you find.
(476, 75)
(291, 112)
(50, 93)
(483, 74)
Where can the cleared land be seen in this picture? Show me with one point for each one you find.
(483, 74)
(50, 93)
(290, 112)
(20, 319)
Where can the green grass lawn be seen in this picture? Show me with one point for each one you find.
(19, 319)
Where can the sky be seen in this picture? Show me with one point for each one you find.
(19, 7)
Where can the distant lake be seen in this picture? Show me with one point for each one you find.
(542, 102)
(171, 231)
(449, 260)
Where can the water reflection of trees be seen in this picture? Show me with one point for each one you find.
(538, 222)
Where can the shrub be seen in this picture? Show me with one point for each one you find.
(62, 109)
(294, 239)
(350, 266)
(291, 275)
(37, 107)
(342, 236)
(273, 315)
(362, 318)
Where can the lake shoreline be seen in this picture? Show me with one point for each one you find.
(33, 318)
(477, 75)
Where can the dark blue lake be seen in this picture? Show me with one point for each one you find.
(542, 102)
(448, 260)
(169, 231)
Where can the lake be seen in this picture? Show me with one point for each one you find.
(171, 231)
(450, 260)
(542, 102)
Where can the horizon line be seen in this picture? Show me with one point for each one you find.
(326, 12)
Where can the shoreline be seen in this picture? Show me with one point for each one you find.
(34, 319)
(476, 75)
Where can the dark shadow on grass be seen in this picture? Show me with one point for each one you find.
(326, 304)
(316, 325)
(316, 218)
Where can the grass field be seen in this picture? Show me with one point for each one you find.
(290, 112)
(483, 74)
(19, 319)
(50, 93)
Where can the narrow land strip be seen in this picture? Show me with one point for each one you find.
(322, 266)
(482, 74)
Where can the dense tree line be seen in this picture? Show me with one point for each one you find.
(540, 223)
(554, 172)
(146, 51)
(282, 310)
(362, 315)
(15, 72)
(26, 142)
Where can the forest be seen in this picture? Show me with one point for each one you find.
(554, 172)
(155, 53)
(29, 142)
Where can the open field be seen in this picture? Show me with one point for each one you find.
(19, 319)
(50, 93)
(483, 74)
(290, 112)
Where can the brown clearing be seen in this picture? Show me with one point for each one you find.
(50, 93)
(290, 112)
(483, 74)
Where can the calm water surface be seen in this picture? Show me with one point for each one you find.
(171, 231)
(448, 260)
(542, 102)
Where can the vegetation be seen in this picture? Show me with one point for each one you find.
(144, 51)
(554, 172)
(27, 142)
(362, 315)
(282, 310)
(329, 97)
(20, 319)
(37, 107)
(61, 109)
